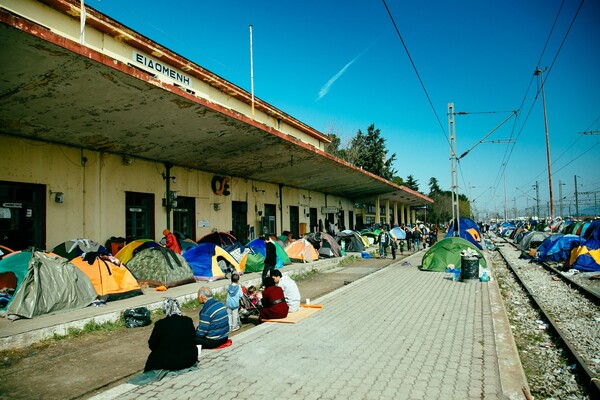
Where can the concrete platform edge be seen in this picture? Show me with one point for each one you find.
(512, 375)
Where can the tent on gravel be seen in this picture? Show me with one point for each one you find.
(51, 284)
(593, 231)
(446, 252)
(530, 242)
(160, 266)
(210, 262)
(586, 257)
(111, 279)
(557, 247)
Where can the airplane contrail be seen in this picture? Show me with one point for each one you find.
(325, 88)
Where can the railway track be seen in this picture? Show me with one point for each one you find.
(571, 309)
(593, 294)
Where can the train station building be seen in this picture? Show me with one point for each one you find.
(106, 133)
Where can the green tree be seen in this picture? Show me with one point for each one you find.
(398, 181)
(434, 186)
(334, 148)
(368, 152)
(412, 183)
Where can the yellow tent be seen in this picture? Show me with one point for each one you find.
(130, 249)
(109, 278)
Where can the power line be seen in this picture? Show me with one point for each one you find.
(417, 72)
(548, 70)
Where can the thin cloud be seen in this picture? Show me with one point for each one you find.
(325, 88)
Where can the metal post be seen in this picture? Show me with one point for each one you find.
(537, 199)
(540, 72)
(576, 198)
(453, 170)
(251, 71)
(560, 198)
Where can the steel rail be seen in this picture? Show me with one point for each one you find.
(589, 294)
(588, 377)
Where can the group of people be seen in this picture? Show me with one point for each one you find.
(417, 237)
(174, 340)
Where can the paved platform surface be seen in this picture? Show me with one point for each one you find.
(399, 333)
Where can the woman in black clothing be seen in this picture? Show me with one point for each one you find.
(172, 341)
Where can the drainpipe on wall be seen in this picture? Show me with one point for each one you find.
(168, 201)
(280, 208)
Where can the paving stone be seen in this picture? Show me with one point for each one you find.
(429, 344)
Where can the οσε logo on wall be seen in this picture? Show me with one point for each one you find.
(220, 185)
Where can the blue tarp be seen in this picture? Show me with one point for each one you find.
(558, 247)
(587, 256)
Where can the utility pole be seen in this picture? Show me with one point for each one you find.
(576, 198)
(560, 200)
(537, 199)
(539, 72)
(453, 171)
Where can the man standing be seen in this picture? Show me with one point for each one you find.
(383, 243)
(270, 259)
(290, 290)
(213, 328)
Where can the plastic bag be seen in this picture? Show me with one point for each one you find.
(137, 317)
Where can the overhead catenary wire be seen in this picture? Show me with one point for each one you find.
(416, 72)
(508, 154)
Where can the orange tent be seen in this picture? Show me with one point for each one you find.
(109, 277)
(302, 250)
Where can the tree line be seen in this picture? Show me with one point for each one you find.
(368, 151)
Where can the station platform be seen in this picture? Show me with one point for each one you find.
(398, 333)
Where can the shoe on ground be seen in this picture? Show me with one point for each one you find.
(235, 328)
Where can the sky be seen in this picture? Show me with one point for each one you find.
(342, 66)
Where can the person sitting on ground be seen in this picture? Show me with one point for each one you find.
(273, 302)
(213, 328)
(172, 342)
(171, 241)
(290, 290)
(234, 293)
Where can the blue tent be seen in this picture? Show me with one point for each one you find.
(468, 230)
(398, 233)
(204, 261)
(586, 257)
(593, 231)
(558, 247)
(259, 246)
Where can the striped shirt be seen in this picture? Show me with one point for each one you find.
(213, 324)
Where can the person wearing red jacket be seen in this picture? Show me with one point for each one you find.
(171, 241)
(273, 301)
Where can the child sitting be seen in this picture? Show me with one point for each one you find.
(254, 296)
(234, 293)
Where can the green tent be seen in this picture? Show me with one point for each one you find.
(51, 284)
(447, 251)
(255, 262)
(283, 256)
(160, 266)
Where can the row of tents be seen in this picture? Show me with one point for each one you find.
(79, 271)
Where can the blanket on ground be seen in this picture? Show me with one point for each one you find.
(305, 310)
(158, 374)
